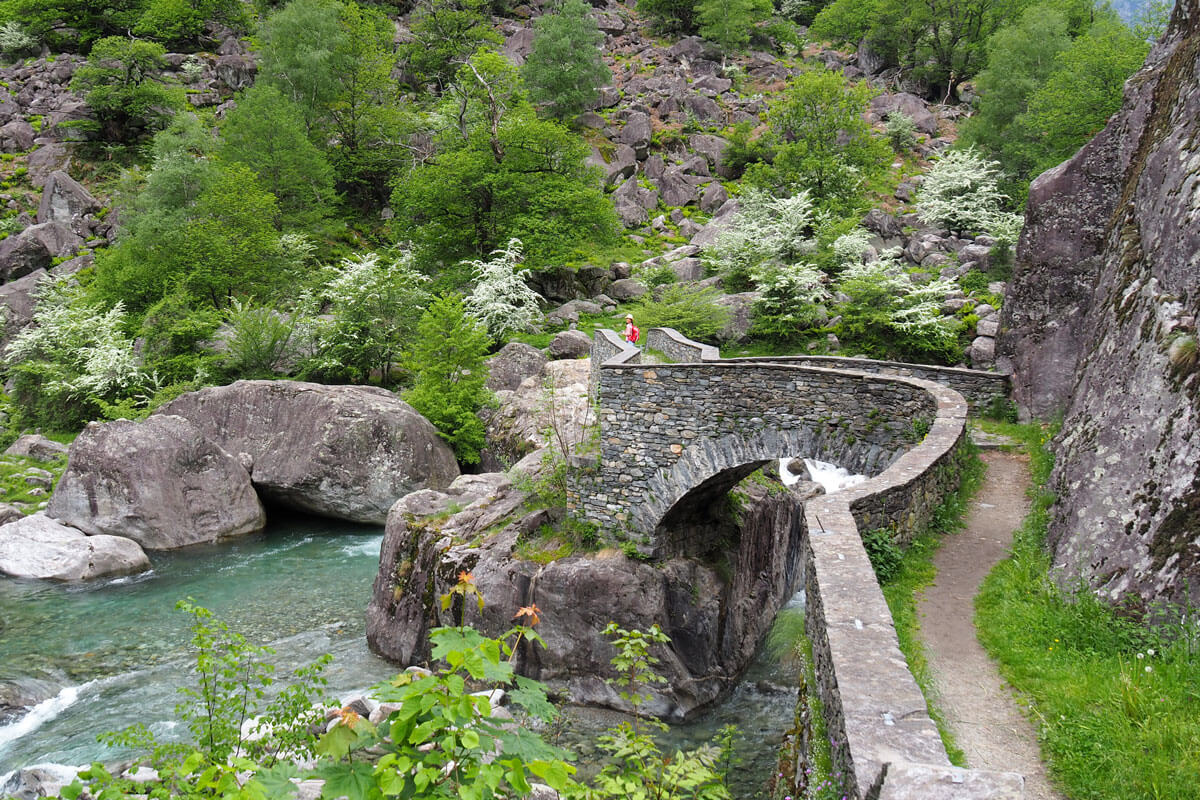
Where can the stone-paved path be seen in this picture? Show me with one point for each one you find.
(977, 703)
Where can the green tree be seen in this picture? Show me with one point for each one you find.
(122, 84)
(564, 70)
(678, 16)
(942, 42)
(505, 175)
(180, 23)
(1021, 58)
(823, 143)
(231, 247)
(266, 133)
(73, 25)
(334, 61)
(730, 22)
(364, 114)
(302, 48)
(447, 362)
(1084, 89)
(216, 241)
(445, 34)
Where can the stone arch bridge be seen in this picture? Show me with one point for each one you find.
(679, 426)
(680, 429)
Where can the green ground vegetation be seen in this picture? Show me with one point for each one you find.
(1115, 697)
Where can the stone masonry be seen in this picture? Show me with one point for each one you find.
(885, 744)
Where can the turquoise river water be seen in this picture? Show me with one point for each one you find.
(105, 655)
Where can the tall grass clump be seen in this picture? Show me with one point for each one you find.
(1115, 696)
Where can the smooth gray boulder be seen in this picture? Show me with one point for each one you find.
(347, 452)
(160, 482)
(40, 547)
(37, 447)
(515, 362)
(35, 248)
(17, 304)
(570, 344)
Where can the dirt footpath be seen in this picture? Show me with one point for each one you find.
(977, 704)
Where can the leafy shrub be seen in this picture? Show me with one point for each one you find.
(891, 317)
(843, 21)
(373, 306)
(692, 311)
(901, 131)
(745, 148)
(261, 340)
(14, 41)
(73, 357)
(447, 362)
(884, 554)
(767, 234)
(791, 301)
(961, 194)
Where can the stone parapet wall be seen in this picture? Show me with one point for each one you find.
(608, 345)
(875, 713)
(979, 387)
(679, 348)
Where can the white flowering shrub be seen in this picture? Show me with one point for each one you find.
(790, 302)
(501, 299)
(889, 315)
(768, 233)
(14, 41)
(73, 359)
(849, 248)
(372, 307)
(960, 193)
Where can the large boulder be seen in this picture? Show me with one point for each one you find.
(160, 482)
(555, 399)
(39, 547)
(65, 200)
(37, 447)
(633, 202)
(911, 106)
(569, 344)
(17, 304)
(1101, 321)
(515, 362)
(35, 248)
(347, 452)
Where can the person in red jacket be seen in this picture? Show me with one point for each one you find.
(631, 332)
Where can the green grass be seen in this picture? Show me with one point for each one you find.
(1116, 703)
(914, 573)
(14, 488)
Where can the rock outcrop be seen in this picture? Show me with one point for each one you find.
(715, 623)
(39, 547)
(160, 482)
(347, 452)
(555, 399)
(1102, 323)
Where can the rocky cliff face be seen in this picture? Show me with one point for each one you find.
(1101, 324)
